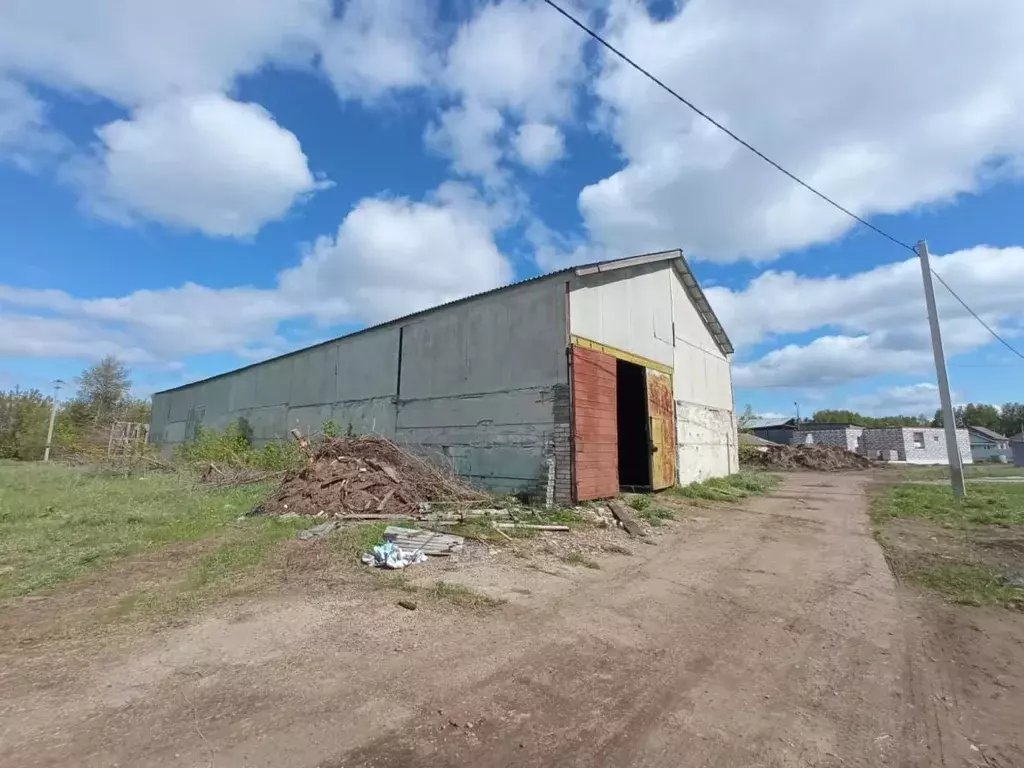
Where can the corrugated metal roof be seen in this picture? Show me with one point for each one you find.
(767, 423)
(810, 426)
(990, 434)
(675, 256)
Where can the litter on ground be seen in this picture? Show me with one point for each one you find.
(428, 542)
(390, 555)
(403, 547)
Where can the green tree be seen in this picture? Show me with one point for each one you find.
(958, 417)
(835, 416)
(747, 417)
(103, 389)
(982, 415)
(24, 418)
(1011, 419)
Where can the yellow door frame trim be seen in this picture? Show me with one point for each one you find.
(621, 354)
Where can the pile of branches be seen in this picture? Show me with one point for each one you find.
(821, 458)
(366, 476)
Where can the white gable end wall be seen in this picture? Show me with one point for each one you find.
(705, 414)
(629, 309)
(646, 310)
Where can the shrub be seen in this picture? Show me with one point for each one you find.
(233, 446)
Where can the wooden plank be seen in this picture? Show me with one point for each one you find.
(595, 431)
(621, 354)
(428, 542)
(623, 515)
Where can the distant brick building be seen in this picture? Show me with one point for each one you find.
(914, 445)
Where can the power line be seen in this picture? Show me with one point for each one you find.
(771, 162)
(725, 130)
(988, 328)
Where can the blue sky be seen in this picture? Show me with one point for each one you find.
(192, 189)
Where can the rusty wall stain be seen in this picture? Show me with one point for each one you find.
(661, 411)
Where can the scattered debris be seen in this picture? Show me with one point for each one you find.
(624, 516)
(409, 605)
(531, 526)
(1014, 578)
(368, 477)
(427, 542)
(389, 555)
(317, 531)
(822, 458)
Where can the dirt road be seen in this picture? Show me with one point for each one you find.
(772, 635)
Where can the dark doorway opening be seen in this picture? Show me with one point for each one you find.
(631, 420)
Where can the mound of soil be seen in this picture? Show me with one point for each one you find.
(365, 475)
(821, 458)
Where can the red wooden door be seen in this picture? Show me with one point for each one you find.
(595, 430)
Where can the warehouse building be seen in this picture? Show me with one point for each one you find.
(565, 387)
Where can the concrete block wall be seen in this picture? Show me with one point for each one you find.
(485, 383)
(481, 385)
(875, 441)
(934, 450)
(707, 442)
(901, 440)
(846, 438)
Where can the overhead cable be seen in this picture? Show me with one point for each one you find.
(772, 163)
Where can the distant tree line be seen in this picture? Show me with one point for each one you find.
(836, 416)
(1006, 420)
(103, 396)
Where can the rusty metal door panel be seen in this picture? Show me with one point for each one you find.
(661, 411)
(595, 429)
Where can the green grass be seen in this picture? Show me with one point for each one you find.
(228, 566)
(952, 564)
(639, 502)
(461, 596)
(656, 516)
(985, 504)
(57, 523)
(351, 541)
(967, 584)
(241, 552)
(730, 488)
(970, 470)
(578, 558)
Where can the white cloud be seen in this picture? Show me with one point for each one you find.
(395, 256)
(189, 157)
(36, 336)
(911, 400)
(136, 52)
(468, 135)
(538, 145)
(516, 55)
(379, 45)
(883, 106)
(204, 162)
(512, 59)
(388, 258)
(881, 313)
(25, 134)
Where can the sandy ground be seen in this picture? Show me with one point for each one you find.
(770, 634)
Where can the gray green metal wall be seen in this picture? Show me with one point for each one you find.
(481, 382)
